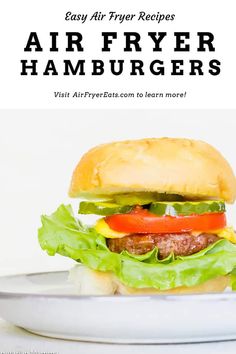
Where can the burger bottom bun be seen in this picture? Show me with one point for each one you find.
(218, 284)
(91, 282)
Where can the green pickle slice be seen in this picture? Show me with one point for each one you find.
(157, 203)
(187, 208)
(103, 208)
(144, 198)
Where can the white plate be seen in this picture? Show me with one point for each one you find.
(45, 304)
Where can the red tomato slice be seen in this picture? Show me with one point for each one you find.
(141, 221)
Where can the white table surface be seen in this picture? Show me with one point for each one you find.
(18, 341)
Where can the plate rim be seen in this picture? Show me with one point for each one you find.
(219, 296)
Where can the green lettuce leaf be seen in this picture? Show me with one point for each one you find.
(233, 279)
(62, 233)
(62, 229)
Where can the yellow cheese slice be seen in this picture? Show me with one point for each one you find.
(228, 233)
(102, 228)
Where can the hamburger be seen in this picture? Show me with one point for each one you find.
(161, 219)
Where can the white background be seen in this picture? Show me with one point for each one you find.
(19, 18)
(40, 149)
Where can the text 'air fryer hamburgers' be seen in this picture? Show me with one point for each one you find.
(161, 224)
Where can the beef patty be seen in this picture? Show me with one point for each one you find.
(180, 244)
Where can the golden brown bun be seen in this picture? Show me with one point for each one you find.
(191, 168)
(91, 282)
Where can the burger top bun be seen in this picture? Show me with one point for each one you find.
(90, 282)
(187, 167)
